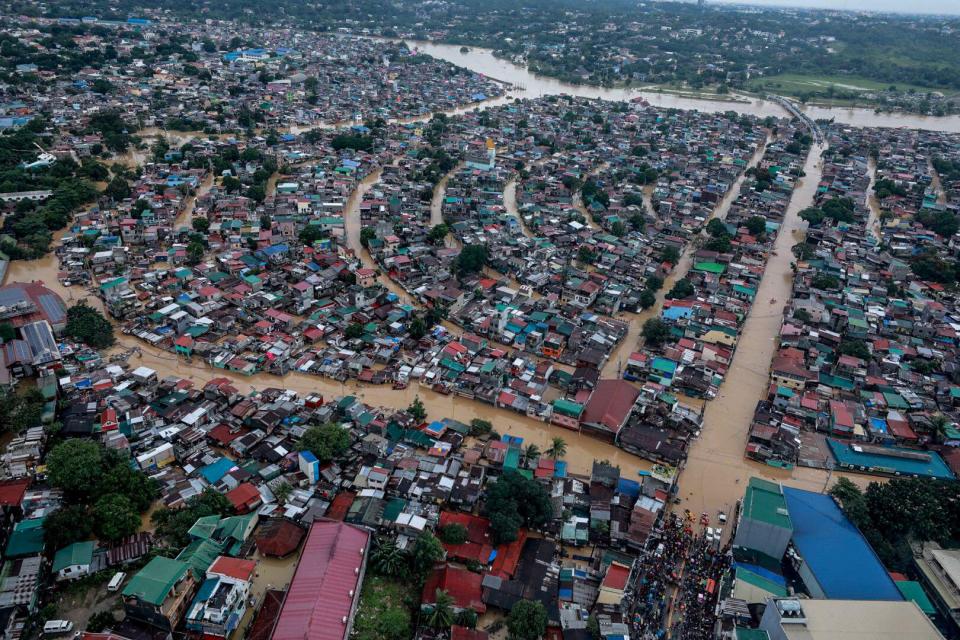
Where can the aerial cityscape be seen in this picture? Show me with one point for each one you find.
(461, 320)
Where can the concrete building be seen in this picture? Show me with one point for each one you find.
(796, 619)
(765, 524)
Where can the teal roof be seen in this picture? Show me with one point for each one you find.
(26, 539)
(152, 583)
(764, 502)
(78, 553)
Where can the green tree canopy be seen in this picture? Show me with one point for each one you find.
(513, 502)
(527, 620)
(325, 441)
(86, 324)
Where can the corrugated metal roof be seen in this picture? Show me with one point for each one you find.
(320, 594)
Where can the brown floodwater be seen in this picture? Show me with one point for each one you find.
(716, 471)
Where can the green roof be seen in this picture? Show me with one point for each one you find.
(710, 267)
(912, 590)
(78, 553)
(745, 633)
(567, 407)
(764, 502)
(200, 554)
(152, 583)
(26, 539)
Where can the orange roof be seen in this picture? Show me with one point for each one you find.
(234, 567)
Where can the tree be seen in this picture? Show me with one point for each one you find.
(618, 229)
(756, 225)
(472, 259)
(717, 228)
(120, 477)
(855, 348)
(480, 427)
(387, 558)
(117, 189)
(310, 234)
(441, 611)
(683, 288)
(101, 621)
(586, 254)
(670, 254)
(325, 441)
(86, 324)
(418, 328)
(68, 524)
(655, 332)
(514, 501)
(654, 283)
(647, 299)
(75, 467)
(257, 193)
(115, 517)
(353, 331)
(201, 225)
(453, 534)
(557, 448)
(366, 235)
(417, 410)
(20, 410)
(438, 233)
(427, 551)
(527, 620)
(531, 452)
(466, 618)
(282, 492)
(824, 281)
(195, 252)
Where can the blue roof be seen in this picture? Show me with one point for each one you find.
(837, 554)
(213, 472)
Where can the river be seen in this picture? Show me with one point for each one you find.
(526, 84)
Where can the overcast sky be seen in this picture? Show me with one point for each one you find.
(916, 6)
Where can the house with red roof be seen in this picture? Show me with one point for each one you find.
(244, 498)
(465, 587)
(614, 583)
(609, 407)
(321, 602)
(221, 602)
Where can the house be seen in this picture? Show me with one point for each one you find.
(73, 561)
(160, 593)
(221, 601)
(609, 406)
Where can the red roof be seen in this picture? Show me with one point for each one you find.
(616, 577)
(243, 497)
(326, 586)
(610, 404)
(279, 537)
(11, 492)
(234, 567)
(340, 505)
(463, 586)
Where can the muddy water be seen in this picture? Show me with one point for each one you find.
(873, 203)
(618, 358)
(272, 573)
(716, 470)
(582, 449)
(530, 85)
(510, 204)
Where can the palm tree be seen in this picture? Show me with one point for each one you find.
(532, 452)
(387, 558)
(557, 448)
(441, 614)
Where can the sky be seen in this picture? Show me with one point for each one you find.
(899, 6)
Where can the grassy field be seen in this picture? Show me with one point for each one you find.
(794, 84)
(384, 610)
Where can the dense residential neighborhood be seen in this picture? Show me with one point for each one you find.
(314, 335)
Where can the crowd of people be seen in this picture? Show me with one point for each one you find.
(694, 601)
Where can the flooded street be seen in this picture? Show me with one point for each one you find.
(873, 203)
(716, 471)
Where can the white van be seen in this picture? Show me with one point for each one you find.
(116, 581)
(56, 627)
